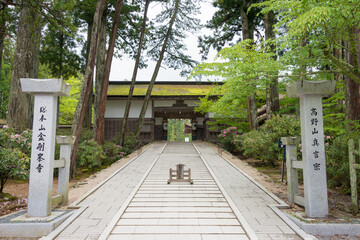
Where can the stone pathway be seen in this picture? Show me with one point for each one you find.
(178, 210)
(137, 203)
(252, 201)
(104, 203)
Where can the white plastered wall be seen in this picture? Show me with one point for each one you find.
(164, 103)
(170, 103)
(115, 109)
(192, 103)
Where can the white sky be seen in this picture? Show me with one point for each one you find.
(122, 69)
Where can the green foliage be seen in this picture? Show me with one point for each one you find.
(130, 143)
(58, 52)
(226, 24)
(229, 138)
(337, 161)
(4, 93)
(176, 128)
(282, 126)
(112, 152)
(314, 31)
(289, 105)
(185, 22)
(68, 103)
(5, 77)
(334, 112)
(90, 154)
(245, 69)
(15, 150)
(86, 134)
(13, 164)
(11, 140)
(263, 143)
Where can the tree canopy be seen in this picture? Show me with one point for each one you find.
(245, 69)
(311, 31)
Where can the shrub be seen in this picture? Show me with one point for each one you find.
(90, 154)
(131, 143)
(15, 153)
(263, 143)
(260, 145)
(282, 126)
(86, 134)
(337, 162)
(13, 164)
(10, 139)
(112, 152)
(229, 138)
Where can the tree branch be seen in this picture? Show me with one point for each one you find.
(345, 67)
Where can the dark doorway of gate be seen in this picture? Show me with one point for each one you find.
(179, 130)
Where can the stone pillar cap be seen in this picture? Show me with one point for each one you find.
(65, 139)
(290, 140)
(57, 87)
(300, 88)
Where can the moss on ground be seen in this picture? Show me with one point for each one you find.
(162, 90)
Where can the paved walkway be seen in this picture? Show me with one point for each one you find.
(104, 203)
(253, 203)
(137, 203)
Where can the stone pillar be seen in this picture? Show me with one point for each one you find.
(46, 93)
(312, 138)
(66, 143)
(292, 175)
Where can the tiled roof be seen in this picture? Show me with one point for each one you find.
(162, 89)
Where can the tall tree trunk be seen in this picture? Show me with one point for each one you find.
(352, 89)
(2, 35)
(88, 111)
(109, 56)
(272, 92)
(60, 76)
(155, 73)
(352, 107)
(25, 65)
(247, 33)
(338, 53)
(85, 90)
(100, 70)
(133, 79)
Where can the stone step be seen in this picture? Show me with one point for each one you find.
(179, 195)
(179, 209)
(170, 191)
(179, 222)
(178, 204)
(162, 199)
(156, 229)
(178, 237)
(183, 215)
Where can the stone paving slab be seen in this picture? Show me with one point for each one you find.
(105, 202)
(179, 210)
(163, 211)
(252, 201)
